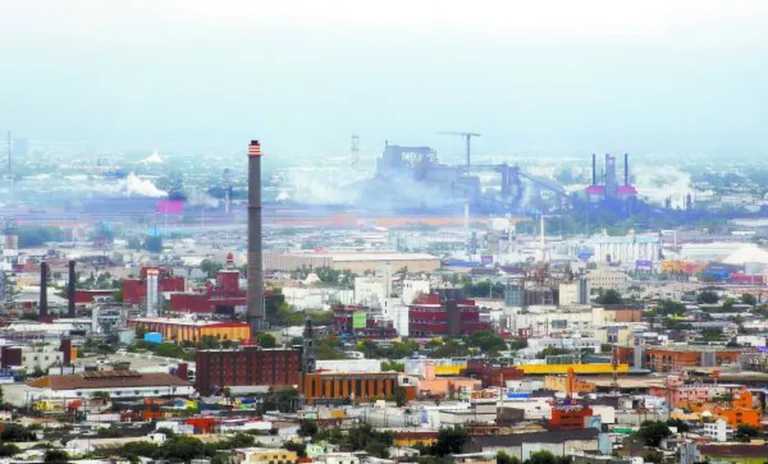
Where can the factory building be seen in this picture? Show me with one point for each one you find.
(325, 387)
(435, 316)
(542, 321)
(358, 263)
(247, 367)
(627, 249)
(677, 358)
(356, 321)
(223, 297)
(187, 330)
(135, 290)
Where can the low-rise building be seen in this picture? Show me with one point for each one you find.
(190, 330)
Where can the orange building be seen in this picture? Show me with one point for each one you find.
(333, 387)
(678, 358)
(741, 412)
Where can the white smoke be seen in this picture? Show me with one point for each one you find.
(658, 183)
(198, 197)
(154, 158)
(322, 188)
(133, 185)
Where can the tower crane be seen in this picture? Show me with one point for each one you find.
(468, 137)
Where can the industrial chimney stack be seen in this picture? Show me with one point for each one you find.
(71, 312)
(626, 169)
(43, 290)
(594, 169)
(255, 310)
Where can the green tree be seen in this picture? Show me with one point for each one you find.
(299, 448)
(182, 448)
(388, 366)
(8, 449)
(707, 297)
(609, 297)
(744, 433)
(210, 268)
(307, 428)
(670, 307)
(679, 424)
(748, 299)
(504, 458)
(552, 351)
(267, 340)
(450, 440)
(56, 456)
(16, 433)
(487, 341)
(653, 432)
(400, 397)
(117, 295)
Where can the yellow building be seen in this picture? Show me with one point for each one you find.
(187, 330)
(269, 456)
(562, 369)
(560, 384)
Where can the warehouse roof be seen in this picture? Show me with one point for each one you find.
(107, 379)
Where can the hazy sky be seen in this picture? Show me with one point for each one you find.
(551, 76)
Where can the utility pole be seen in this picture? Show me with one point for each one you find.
(468, 138)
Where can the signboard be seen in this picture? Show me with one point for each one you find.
(359, 320)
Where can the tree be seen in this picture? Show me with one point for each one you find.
(210, 268)
(117, 295)
(680, 425)
(8, 449)
(267, 340)
(541, 457)
(299, 448)
(518, 344)
(552, 351)
(182, 448)
(653, 432)
(16, 432)
(56, 456)
(450, 440)
(400, 397)
(744, 433)
(504, 458)
(670, 307)
(307, 428)
(748, 299)
(487, 341)
(387, 366)
(609, 297)
(707, 297)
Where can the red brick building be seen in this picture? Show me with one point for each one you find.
(135, 290)
(433, 316)
(492, 375)
(247, 366)
(221, 297)
(570, 417)
(344, 323)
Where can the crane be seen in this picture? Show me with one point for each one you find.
(468, 137)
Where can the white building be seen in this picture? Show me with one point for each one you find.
(542, 321)
(609, 279)
(371, 291)
(536, 345)
(718, 430)
(627, 249)
(413, 288)
(40, 357)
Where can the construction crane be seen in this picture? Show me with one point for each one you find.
(468, 137)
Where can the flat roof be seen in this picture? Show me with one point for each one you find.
(186, 322)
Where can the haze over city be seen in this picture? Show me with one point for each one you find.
(401, 232)
(553, 77)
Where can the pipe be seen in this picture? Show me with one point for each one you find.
(594, 169)
(255, 302)
(626, 169)
(43, 289)
(71, 311)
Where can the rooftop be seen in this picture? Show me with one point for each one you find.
(107, 379)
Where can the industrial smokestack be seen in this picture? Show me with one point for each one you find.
(594, 169)
(43, 290)
(255, 311)
(71, 312)
(626, 169)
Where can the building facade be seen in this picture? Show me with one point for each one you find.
(321, 387)
(249, 366)
(187, 330)
(433, 316)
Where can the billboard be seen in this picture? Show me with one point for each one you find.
(359, 320)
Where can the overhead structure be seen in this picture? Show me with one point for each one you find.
(468, 138)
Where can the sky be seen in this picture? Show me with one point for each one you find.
(544, 77)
